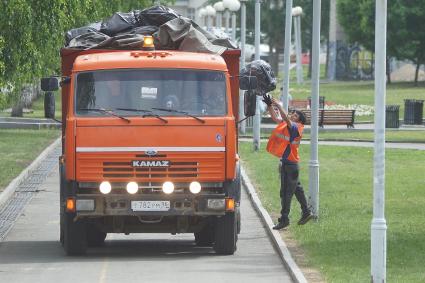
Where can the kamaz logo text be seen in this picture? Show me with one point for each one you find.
(151, 163)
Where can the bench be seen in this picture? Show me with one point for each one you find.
(333, 117)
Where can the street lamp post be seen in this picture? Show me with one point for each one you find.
(210, 13)
(379, 225)
(286, 55)
(242, 125)
(314, 149)
(226, 5)
(202, 15)
(234, 6)
(296, 14)
(257, 117)
(219, 8)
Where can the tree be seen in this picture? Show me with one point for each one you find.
(406, 27)
(273, 24)
(32, 32)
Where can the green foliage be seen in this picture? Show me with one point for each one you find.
(32, 32)
(273, 24)
(406, 26)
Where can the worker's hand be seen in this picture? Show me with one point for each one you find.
(275, 102)
(267, 100)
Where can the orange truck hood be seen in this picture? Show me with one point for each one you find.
(117, 151)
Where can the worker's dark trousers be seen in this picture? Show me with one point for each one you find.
(289, 185)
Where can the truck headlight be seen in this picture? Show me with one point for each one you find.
(195, 187)
(132, 188)
(168, 187)
(105, 187)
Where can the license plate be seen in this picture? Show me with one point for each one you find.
(150, 205)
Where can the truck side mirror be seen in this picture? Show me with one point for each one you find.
(49, 105)
(247, 82)
(50, 84)
(250, 103)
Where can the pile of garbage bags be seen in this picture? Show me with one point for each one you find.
(127, 30)
(266, 79)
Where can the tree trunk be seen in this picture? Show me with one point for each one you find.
(418, 65)
(327, 59)
(388, 71)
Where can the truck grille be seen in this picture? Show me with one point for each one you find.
(119, 167)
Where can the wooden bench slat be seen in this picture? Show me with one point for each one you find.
(333, 117)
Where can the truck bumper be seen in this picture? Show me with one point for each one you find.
(150, 205)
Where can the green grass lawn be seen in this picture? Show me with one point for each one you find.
(19, 148)
(339, 244)
(38, 108)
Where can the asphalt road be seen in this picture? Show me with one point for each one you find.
(32, 253)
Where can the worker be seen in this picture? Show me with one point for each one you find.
(284, 143)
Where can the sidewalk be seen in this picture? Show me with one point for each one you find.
(267, 128)
(394, 145)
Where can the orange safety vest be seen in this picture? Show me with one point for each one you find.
(280, 139)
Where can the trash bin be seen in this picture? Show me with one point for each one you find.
(413, 111)
(391, 116)
(321, 102)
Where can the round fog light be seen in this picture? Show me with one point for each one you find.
(132, 188)
(195, 187)
(168, 187)
(105, 187)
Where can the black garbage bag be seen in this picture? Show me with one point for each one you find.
(146, 30)
(180, 34)
(266, 80)
(69, 35)
(156, 16)
(120, 22)
(123, 41)
(88, 40)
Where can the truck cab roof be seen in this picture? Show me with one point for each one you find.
(130, 59)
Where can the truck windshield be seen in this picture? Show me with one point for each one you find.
(196, 92)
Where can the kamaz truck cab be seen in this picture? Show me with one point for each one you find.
(149, 145)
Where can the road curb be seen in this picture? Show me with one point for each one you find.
(277, 241)
(14, 184)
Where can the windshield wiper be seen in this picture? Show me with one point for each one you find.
(181, 112)
(148, 113)
(107, 111)
(156, 116)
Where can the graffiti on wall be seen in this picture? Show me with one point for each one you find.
(354, 63)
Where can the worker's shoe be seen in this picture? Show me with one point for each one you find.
(280, 225)
(305, 218)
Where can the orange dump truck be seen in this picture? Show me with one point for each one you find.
(149, 145)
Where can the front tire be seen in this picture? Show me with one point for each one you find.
(95, 237)
(226, 234)
(205, 237)
(74, 235)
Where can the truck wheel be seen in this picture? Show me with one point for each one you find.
(225, 234)
(95, 237)
(238, 220)
(205, 237)
(74, 236)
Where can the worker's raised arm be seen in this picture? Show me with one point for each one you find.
(268, 100)
(282, 112)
